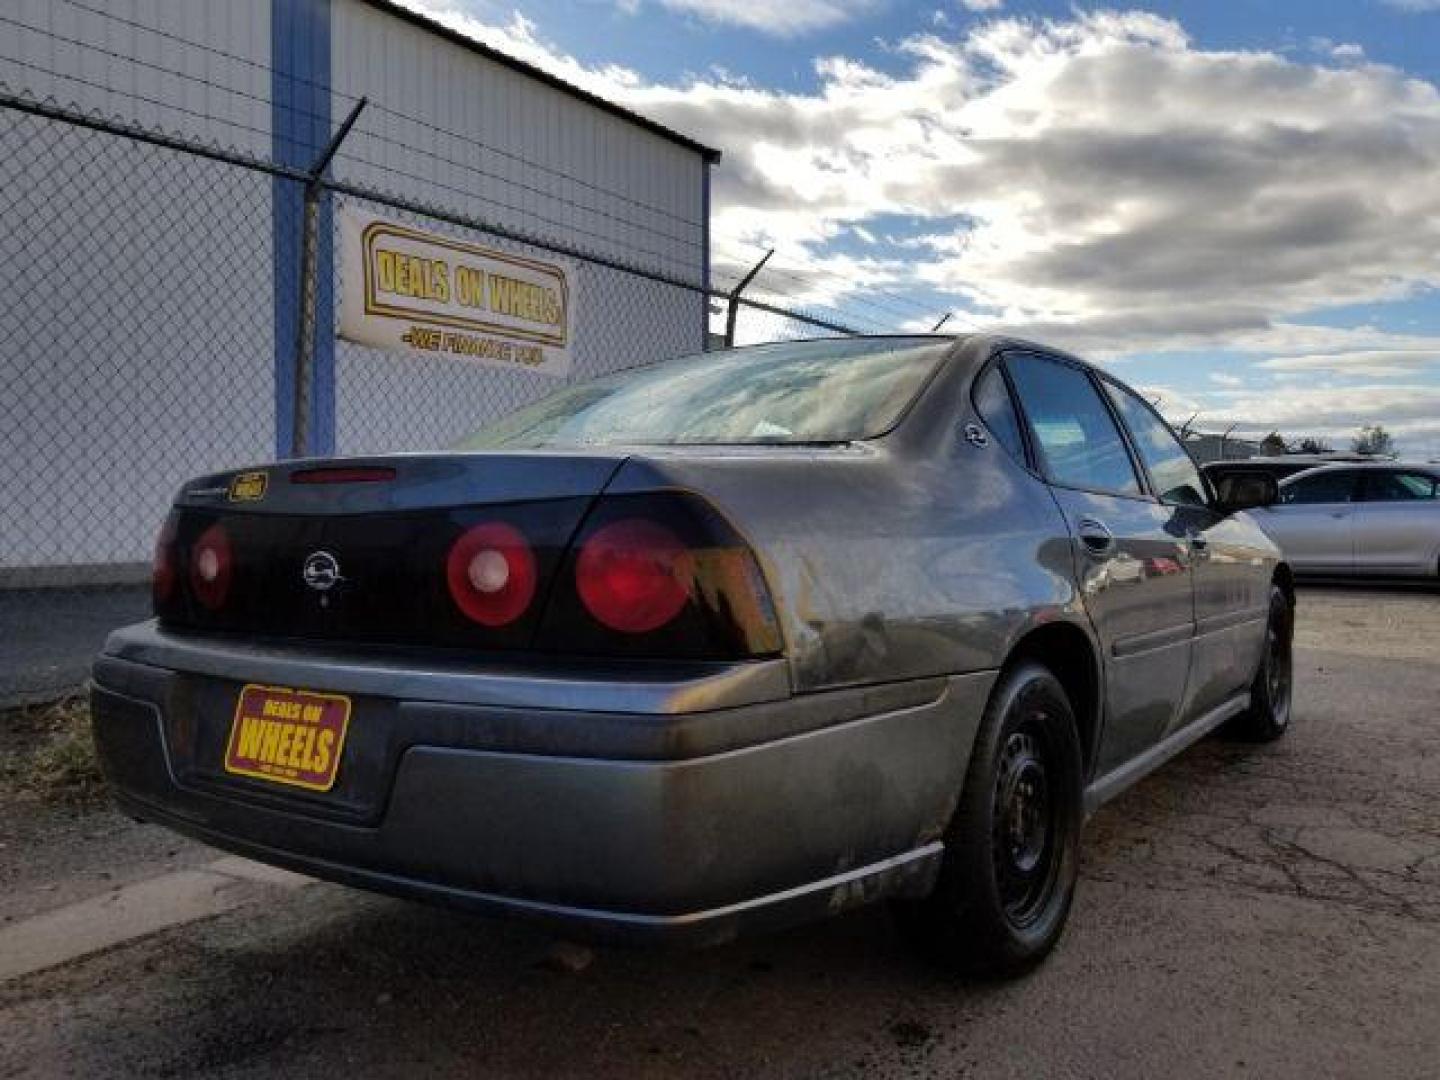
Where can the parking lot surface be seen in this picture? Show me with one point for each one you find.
(1269, 911)
(51, 635)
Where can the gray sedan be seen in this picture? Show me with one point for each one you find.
(737, 640)
(1373, 518)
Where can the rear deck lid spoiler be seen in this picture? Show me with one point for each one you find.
(399, 482)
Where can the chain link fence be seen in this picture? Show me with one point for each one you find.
(113, 387)
(146, 335)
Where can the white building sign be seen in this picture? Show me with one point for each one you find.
(414, 291)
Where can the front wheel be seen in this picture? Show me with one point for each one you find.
(1011, 852)
(1268, 716)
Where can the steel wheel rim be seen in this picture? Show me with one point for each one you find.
(1025, 841)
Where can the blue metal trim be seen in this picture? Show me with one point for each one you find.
(322, 389)
(705, 255)
(299, 130)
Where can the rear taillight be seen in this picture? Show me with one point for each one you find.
(211, 567)
(660, 575)
(491, 573)
(163, 567)
(634, 575)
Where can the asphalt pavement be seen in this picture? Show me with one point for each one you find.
(49, 636)
(1267, 911)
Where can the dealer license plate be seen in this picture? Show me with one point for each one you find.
(288, 736)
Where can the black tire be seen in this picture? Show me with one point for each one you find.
(1012, 849)
(1268, 716)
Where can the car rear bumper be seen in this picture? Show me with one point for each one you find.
(695, 816)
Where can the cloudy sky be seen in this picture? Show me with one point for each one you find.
(1234, 203)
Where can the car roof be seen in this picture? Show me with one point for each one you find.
(1265, 461)
(1364, 466)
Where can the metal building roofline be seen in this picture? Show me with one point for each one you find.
(710, 155)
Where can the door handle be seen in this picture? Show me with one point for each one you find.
(1096, 536)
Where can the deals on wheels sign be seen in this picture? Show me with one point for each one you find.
(421, 292)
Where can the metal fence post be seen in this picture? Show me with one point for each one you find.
(733, 308)
(305, 325)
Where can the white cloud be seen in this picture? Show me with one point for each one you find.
(982, 5)
(1121, 188)
(1410, 412)
(1100, 181)
(787, 19)
(1226, 380)
(1343, 51)
(1369, 362)
(1413, 5)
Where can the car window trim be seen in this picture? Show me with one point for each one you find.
(1144, 495)
(1206, 490)
(1028, 459)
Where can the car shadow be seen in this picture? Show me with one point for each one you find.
(333, 974)
(330, 974)
(338, 975)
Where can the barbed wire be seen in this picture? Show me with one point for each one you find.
(364, 132)
(351, 99)
(320, 118)
(464, 193)
(884, 310)
(890, 304)
(133, 95)
(531, 163)
(887, 300)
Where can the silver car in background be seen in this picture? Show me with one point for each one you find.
(1373, 518)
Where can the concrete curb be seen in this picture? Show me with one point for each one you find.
(134, 911)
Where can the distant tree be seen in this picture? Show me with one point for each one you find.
(1311, 445)
(1373, 439)
(1273, 444)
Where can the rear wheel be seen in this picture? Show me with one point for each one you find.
(1011, 851)
(1268, 716)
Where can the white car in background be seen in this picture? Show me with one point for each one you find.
(1373, 518)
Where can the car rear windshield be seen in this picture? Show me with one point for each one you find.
(794, 392)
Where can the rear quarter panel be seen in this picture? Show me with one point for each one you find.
(889, 561)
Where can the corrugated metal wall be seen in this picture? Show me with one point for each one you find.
(453, 128)
(136, 341)
(198, 68)
(461, 132)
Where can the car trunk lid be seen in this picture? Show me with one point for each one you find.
(354, 549)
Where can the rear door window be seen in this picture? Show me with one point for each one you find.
(1326, 487)
(1074, 432)
(1387, 486)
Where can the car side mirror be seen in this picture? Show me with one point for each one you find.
(1245, 491)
